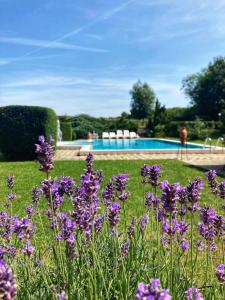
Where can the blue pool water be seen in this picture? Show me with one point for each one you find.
(139, 144)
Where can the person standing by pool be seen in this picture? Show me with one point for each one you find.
(183, 136)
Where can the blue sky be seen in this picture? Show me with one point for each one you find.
(83, 56)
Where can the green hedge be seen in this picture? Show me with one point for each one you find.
(66, 129)
(20, 127)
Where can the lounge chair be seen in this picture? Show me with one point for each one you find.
(112, 135)
(105, 135)
(126, 134)
(119, 134)
(133, 135)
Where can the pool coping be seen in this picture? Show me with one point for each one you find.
(84, 149)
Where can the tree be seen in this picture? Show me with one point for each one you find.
(143, 100)
(159, 117)
(206, 89)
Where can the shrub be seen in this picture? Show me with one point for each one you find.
(20, 126)
(66, 129)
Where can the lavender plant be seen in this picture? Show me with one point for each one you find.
(176, 244)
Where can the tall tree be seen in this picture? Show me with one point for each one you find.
(159, 117)
(143, 100)
(206, 89)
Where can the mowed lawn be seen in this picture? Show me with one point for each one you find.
(27, 175)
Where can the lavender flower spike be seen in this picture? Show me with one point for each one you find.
(152, 291)
(7, 281)
(194, 294)
(45, 153)
(220, 273)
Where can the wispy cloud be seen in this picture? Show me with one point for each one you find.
(46, 44)
(80, 94)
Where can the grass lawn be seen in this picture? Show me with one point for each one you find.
(27, 176)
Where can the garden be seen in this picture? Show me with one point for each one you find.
(110, 230)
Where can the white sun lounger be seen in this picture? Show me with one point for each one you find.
(105, 135)
(119, 134)
(133, 135)
(112, 135)
(126, 134)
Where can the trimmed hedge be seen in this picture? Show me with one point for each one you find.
(66, 129)
(20, 127)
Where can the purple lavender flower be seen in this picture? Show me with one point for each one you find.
(30, 210)
(212, 182)
(45, 153)
(152, 200)
(222, 190)
(27, 248)
(66, 185)
(184, 244)
(89, 161)
(155, 173)
(8, 284)
(207, 231)
(208, 215)
(170, 229)
(109, 193)
(170, 194)
(125, 248)
(120, 183)
(24, 228)
(36, 193)
(98, 223)
(113, 214)
(10, 181)
(59, 296)
(194, 294)
(11, 196)
(219, 225)
(152, 291)
(144, 222)
(193, 193)
(200, 245)
(131, 228)
(220, 273)
(145, 172)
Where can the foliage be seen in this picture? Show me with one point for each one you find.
(143, 99)
(206, 89)
(158, 118)
(20, 126)
(66, 129)
(180, 114)
(93, 252)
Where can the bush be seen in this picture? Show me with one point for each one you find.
(66, 129)
(20, 127)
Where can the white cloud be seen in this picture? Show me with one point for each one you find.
(93, 95)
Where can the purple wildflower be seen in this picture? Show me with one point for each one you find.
(207, 215)
(220, 273)
(219, 225)
(144, 222)
(30, 210)
(36, 193)
(170, 194)
(212, 182)
(193, 193)
(145, 172)
(27, 248)
(222, 190)
(120, 183)
(154, 175)
(131, 228)
(109, 193)
(89, 161)
(45, 153)
(11, 196)
(152, 200)
(152, 291)
(125, 248)
(8, 284)
(184, 244)
(200, 245)
(10, 181)
(113, 214)
(194, 294)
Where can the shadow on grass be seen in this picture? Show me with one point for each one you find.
(220, 168)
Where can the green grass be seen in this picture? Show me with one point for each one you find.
(27, 176)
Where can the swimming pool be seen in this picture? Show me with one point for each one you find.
(126, 144)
